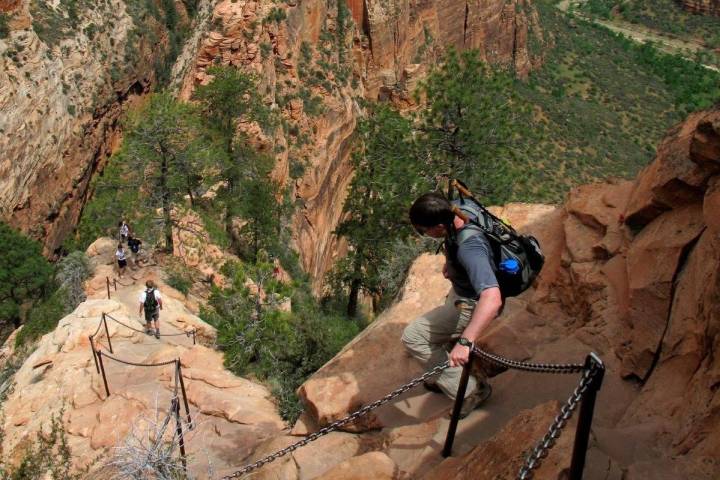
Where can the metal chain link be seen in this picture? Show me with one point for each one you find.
(338, 423)
(186, 333)
(537, 454)
(126, 362)
(560, 368)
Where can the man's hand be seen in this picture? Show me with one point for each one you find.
(459, 355)
(445, 270)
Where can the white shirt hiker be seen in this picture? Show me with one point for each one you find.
(124, 230)
(120, 254)
(143, 296)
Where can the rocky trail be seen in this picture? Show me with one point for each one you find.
(230, 414)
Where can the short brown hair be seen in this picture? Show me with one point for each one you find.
(150, 284)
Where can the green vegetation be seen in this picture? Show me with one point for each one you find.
(665, 16)
(25, 276)
(261, 339)
(276, 15)
(387, 176)
(65, 294)
(4, 27)
(600, 105)
(49, 456)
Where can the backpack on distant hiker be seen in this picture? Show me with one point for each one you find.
(151, 303)
(518, 259)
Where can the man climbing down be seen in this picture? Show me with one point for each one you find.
(151, 303)
(473, 303)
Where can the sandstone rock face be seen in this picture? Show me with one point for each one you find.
(385, 50)
(64, 82)
(707, 7)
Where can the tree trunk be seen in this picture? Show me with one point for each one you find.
(353, 298)
(165, 201)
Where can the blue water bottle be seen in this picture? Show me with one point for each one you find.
(510, 265)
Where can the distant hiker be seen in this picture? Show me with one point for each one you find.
(134, 246)
(473, 303)
(124, 231)
(121, 259)
(151, 303)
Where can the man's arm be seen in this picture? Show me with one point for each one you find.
(140, 310)
(485, 311)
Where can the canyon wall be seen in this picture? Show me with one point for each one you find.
(67, 73)
(315, 60)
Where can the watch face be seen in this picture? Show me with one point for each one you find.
(465, 342)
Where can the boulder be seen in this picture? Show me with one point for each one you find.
(375, 465)
(652, 263)
(375, 362)
(679, 174)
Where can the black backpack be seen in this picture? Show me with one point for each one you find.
(151, 303)
(518, 259)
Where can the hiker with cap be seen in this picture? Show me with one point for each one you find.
(121, 256)
(474, 301)
(151, 303)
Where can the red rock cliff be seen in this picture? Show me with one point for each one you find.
(64, 84)
(317, 54)
(708, 7)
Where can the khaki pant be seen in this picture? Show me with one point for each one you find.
(428, 338)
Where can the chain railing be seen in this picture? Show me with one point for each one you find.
(585, 392)
(187, 333)
(338, 423)
(584, 395)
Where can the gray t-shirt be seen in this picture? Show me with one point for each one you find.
(472, 270)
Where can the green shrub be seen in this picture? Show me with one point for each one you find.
(25, 276)
(276, 15)
(279, 347)
(49, 456)
(44, 317)
(179, 277)
(4, 27)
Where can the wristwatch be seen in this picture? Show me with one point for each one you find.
(465, 342)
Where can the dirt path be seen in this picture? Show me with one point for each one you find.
(642, 34)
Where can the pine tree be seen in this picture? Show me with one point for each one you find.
(473, 123)
(25, 275)
(164, 156)
(387, 176)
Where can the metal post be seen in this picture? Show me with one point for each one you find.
(102, 370)
(193, 333)
(92, 347)
(184, 395)
(585, 417)
(115, 283)
(107, 281)
(107, 333)
(178, 426)
(452, 428)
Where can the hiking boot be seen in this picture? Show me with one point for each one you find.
(432, 387)
(157, 333)
(475, 399)
(148, 329)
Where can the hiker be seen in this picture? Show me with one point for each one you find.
(475, 300)
(121, 259)
(124, 231)
(151, 303)
(134, 246)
